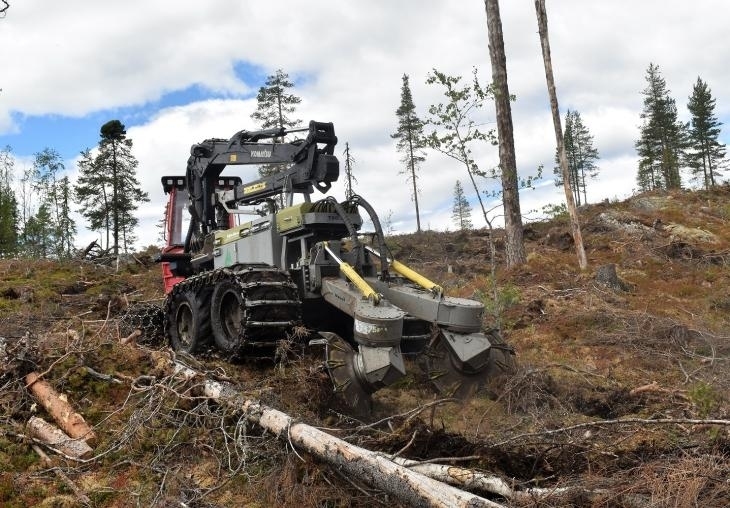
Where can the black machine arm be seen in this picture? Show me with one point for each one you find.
(306, 164)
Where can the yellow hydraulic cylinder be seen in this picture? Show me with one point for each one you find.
(354, 277)
(416, 277)
(412, 275)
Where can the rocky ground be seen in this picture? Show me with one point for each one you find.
(621, 390)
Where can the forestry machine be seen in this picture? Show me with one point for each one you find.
(250, 281)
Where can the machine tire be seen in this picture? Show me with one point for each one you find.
(188, 324)
(227, 311)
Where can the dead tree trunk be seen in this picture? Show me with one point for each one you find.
(60, 410)
(365, 465)
(514, 235)
(370, 467)
(51, 435)
(569, 199)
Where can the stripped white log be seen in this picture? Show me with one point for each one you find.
(51, 435)
(370, 467)
(465, 478)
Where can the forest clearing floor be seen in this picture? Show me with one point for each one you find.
(612, 377)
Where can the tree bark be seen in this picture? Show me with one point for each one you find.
(514, 240)
(58, 439)
(569, 198)
(60, 410)
(373, 468)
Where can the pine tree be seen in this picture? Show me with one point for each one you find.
(581, 155)
(274, 107)
(705, 154)
(411, 142)
(108, 189)
(349, 176)
(65, 225)
(461, 212)
(8, 206)
(662, 137)
(274, 103)
(514, 245)
(91, 193)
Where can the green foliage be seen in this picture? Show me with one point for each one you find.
(553, 211)
(8, 206)
(410, 142)
(581, 156)
(108, 190)
(705, 154)
(497, 300)
(461, 212)
(38, 233)
(274, 105)
(662, 140)
(704, 397)
(55, 224)
(454, 122)
(455, 127)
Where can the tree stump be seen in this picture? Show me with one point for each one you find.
(606, 275)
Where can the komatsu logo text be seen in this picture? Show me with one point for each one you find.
(261, 153)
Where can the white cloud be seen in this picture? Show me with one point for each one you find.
(74, 58)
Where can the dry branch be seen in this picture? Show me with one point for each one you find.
(82, 498)
(60, 410)
(619, 421)
(54, 437)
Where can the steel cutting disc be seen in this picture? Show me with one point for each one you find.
(451, 380)
(340, 364)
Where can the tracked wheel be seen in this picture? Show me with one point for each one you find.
(227, 311)
(341, 365)
(188, 320)
(252, 309)
(452, 378)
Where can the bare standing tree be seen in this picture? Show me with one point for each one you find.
(569, 199)
(514, 241)
(350, 177)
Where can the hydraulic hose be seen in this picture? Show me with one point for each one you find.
(360, 201)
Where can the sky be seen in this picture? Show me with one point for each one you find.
(178, 73)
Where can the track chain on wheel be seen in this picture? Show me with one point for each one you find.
(453, 380)
(253, 308)
(148, 318)
(192, 334)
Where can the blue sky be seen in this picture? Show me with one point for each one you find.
(69, 135)
(177, 76)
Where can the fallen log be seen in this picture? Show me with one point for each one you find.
(60, 410)
(371, 467)
(483, 482)
(51, 435)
